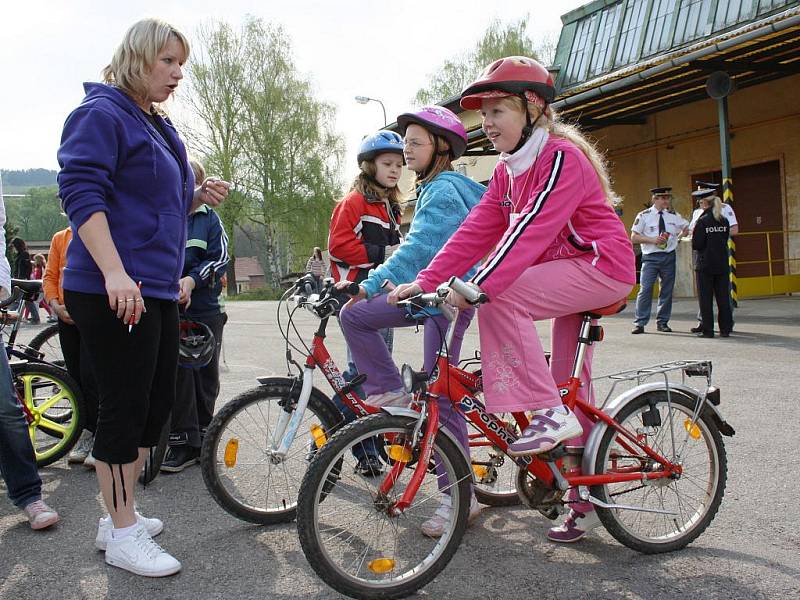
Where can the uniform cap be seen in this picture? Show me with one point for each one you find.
(659, 191)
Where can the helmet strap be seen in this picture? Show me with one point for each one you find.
(528, 129)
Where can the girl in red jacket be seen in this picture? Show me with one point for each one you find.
(556, 249)
(365, 230)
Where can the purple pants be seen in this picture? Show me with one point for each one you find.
(361, 324)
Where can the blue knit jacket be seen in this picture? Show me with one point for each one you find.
(442, 205)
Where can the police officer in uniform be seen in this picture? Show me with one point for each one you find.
(658, 230)
(710, 243)
(728, 213)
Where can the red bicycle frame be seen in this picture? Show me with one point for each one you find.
(460, 387)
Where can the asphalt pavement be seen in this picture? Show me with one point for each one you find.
(751, 549)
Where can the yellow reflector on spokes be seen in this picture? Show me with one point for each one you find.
(480, 471)
(381, 565)
(318, 435)
(231, 450)
(692, 429)
(400, 454)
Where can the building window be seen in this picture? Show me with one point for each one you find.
(768, 5)
(693, 21)
(659, 29)
(733, 12)
(604, 41)
(632, 25)
(581, 45)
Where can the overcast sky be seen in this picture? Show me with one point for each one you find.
(375, 48)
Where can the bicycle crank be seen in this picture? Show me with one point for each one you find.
(534, 494)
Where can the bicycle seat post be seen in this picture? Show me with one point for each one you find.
(584, 341)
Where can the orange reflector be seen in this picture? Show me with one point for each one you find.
(381, 565)
(231, 450)
(692, 429)
(399, 454)
(480, 471)
(318, 434)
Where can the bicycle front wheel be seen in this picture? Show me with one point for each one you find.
(687, 503)
(49, 392)
(345, 528)
(236, 461)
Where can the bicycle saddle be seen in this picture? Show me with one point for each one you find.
(29, 286)
(611, 309)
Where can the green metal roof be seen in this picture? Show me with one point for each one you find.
(608, 35)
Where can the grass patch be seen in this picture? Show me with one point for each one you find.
(259, 294)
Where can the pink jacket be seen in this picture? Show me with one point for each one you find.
(556, 209)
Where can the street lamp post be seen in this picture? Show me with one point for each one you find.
(365, 99)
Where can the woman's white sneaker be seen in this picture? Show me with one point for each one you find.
(153, 527)
(139, 554)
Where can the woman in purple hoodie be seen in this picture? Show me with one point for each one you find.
(127, 189)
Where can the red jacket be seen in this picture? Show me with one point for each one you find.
(360, 231)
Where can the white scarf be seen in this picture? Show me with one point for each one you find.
(521, 160)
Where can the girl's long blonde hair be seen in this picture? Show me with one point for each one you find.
(559, 128)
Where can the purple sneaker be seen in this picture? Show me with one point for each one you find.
(548, 428)
(575, 526)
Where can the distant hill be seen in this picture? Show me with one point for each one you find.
(27, 178)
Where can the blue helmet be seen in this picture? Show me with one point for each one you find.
(379, 143)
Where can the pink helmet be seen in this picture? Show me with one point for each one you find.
(440, 121)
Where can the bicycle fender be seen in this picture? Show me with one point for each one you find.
(397, 411)
(618, 403)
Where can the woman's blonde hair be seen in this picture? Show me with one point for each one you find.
(135, 56)
(198, 170)
(716, 206)
(366, 185)
(558, 128)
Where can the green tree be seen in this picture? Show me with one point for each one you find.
(283, 153)
(37, 215)
(215, 76)
(454, 74)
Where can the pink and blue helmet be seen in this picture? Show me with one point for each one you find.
(439, 121)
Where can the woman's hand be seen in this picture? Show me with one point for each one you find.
(187, 286)
(124, 297)
(61, 312)
(403, 291)
(212, 192)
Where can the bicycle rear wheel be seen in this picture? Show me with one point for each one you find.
(345, 530)
(235, 457)
(693, 499)
(47, 342)
(46, 391)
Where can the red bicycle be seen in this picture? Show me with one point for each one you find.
(258, 446)
(654, 466)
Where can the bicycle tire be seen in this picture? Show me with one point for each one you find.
(35, 382)
(501, 487)
(319, 490)
(229, 485)
(712, 445)
(47, 342)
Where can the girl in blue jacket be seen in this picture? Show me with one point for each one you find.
(434, 136)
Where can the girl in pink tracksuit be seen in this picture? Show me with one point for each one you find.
(555, 248)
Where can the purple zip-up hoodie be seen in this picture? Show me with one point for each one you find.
(114, 161)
